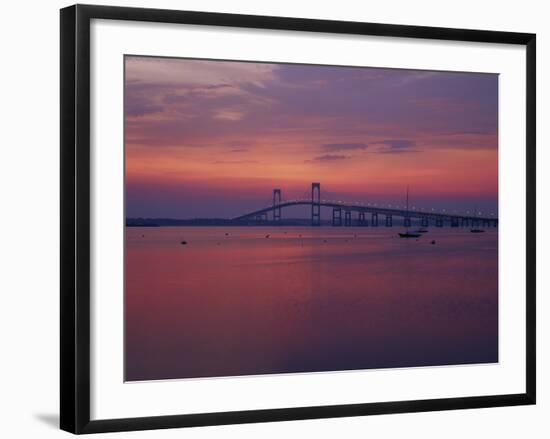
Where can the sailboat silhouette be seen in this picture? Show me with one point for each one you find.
(475, 229)
(408, 234)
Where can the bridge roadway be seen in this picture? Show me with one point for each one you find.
(388, 212)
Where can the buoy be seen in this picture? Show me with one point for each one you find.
(267, 236)
(433, 242)
(183, 242)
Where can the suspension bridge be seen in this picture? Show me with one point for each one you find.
(360, 214)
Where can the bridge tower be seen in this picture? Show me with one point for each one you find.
(315, 204)
(374, 219)
(347, 218)
(276, 203)
(336, 217)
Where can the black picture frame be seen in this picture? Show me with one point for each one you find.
(75, 217)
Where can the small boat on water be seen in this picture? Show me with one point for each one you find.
(410, 235)
(421, 231)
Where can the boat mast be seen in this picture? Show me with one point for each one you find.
(407, 220)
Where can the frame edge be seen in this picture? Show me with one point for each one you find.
(303, 413)
(531, 215)
(303, 24)
(68, 340)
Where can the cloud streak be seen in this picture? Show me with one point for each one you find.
(179, 71)
(328, 158)
(344, 146)
(395, 146)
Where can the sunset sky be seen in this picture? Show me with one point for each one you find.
(213, 138)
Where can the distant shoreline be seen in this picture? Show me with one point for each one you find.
(171, 222)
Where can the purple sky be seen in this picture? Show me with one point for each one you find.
(213, 138)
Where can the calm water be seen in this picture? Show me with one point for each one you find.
(332, 299)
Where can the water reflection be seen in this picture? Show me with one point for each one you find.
(233, 301)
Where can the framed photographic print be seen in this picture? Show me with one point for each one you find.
(267, 218)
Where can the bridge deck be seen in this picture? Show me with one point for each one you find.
(412, 213)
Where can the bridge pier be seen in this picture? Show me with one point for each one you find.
(463, 222)
(474, 223)
(347, 218)
(454, 222)
(495, 223)
(374, 220)
(486, 223)
(389, 221)
(424, 222)
(261, 218)
(407, 221)
(276, 202)
(315, 204)
(362, 220)
(336, 217)
(439, 222)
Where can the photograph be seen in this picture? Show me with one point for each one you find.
(266, 220)
(296, 218)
